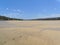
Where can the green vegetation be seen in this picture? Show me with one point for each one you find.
(8, 18)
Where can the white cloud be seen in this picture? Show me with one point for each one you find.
(12, 12)
(55, 15)
(7, 8)
(52, 15)
(47, 16)
(18, 10)
(14, 15)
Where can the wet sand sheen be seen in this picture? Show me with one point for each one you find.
(29, 32)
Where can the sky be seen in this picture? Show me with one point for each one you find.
(30, 9)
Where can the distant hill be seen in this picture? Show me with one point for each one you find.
(54, 18)
(8, 18)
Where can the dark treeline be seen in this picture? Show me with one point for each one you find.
(8, 18)
(56, 18)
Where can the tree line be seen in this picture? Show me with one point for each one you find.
(8, 18)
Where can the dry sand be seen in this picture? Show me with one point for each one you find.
(29, 32)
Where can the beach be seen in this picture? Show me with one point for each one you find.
(30, 32)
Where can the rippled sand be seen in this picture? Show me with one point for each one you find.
(29, 32)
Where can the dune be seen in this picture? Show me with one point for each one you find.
(29, 32)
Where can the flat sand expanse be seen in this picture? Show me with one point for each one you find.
(29, 32)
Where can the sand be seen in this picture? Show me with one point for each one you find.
(29, 32)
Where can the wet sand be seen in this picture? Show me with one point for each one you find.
(29, 32)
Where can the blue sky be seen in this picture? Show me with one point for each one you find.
(28, 9)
